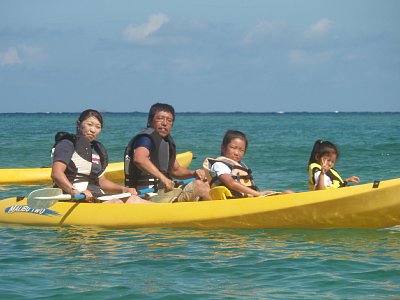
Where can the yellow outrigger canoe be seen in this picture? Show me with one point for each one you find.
(369, 206)
(33, 176)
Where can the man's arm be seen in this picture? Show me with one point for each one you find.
(142, 160)
(182, 173)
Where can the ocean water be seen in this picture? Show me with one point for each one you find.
(161, 263)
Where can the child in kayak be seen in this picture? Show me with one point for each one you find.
(229, 170)
(322, 159)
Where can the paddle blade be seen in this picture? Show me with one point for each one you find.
(44, 198)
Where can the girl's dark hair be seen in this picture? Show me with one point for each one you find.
(159, 107)
(233, 134)
(90, 113)
(322, 148)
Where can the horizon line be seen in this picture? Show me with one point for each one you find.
(213, 112)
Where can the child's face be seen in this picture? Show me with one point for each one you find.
(235, 150)
(327, 160)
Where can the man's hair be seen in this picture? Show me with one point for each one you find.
(159, 107)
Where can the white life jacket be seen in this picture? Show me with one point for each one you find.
(239, 172)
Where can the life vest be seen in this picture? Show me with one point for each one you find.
(337, 181)
(162, 155)
(239, 172)
(79, 169)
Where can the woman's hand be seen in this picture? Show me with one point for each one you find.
(88, 195)
(126, 189)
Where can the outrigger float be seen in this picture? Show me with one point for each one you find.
(370, 206)
(34, 176)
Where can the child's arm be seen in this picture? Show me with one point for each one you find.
(321, 178)
(353, 179)
(321, 181)
(232, 184)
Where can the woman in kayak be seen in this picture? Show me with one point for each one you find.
(79, 162)
(229, 170)
(320, 167)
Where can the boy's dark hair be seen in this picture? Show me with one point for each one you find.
(322, 148)
(233, 134)
(159, 107)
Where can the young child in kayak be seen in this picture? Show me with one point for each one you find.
(229, 170)
(322, 159)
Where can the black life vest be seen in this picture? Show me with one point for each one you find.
(79, 169)
(162, 155)
(239, 172)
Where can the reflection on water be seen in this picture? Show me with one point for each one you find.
(239, 263)
(215, 244)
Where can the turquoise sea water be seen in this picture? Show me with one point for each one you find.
(94, 263)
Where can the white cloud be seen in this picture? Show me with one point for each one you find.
(142, 34)
(261, 30)
(320, 28)
(10, 57)
(32, 54)
(22, 54)
(298, 57)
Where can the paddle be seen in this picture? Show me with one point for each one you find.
(178, 183)
(44, 198)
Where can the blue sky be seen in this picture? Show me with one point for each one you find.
(200, 56)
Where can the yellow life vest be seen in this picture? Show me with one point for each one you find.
(239, 172)
(337, 181)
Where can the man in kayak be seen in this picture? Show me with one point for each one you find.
(150, 158)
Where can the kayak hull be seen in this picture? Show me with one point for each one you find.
(34, 176)
(361, 206)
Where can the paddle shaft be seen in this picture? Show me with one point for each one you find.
(177, 183)
(141, 192)
(45, 198)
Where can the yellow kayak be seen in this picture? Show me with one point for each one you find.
(32, 176)
(362, 206)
